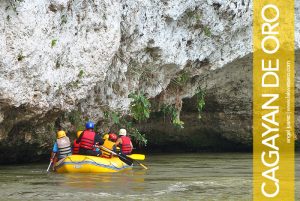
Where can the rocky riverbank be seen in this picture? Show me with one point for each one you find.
(62, 62)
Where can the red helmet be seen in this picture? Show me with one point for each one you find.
(113, 137)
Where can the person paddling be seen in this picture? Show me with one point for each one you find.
(76, 145)
(124, 142)
(88, 139)
(61, 147)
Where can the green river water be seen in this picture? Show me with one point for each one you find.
(169, 177)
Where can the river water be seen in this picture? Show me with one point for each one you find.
(169, 177)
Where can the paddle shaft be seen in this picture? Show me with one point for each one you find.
(121, 156)
(141, 164)
(51, 162)
(124, 157)
(49, 166)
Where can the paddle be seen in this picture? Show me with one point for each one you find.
(141, 165)
(140, 157)
(51, 162)
(124, 157)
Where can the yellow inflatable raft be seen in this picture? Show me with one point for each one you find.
(90, 164)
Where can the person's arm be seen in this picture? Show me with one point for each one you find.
(54, 151)
(118, 142)
(131, 145)
(55, 148)
(98, 140)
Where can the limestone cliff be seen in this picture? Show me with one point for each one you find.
(60, 58)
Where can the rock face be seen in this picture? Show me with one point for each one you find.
(61, 58)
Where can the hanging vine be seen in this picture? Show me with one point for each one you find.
(200, 100)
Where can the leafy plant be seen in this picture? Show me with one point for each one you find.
(207, 31)
(181, 79)
(73, 84)
(63, 19)
(178, 123)
(139, 109)
(137, 135)
(120, 121)
(53, 42)
(20, 56)
(140, 106)
(80, 74)
(173, 113)
(200, 99)
(198, 18)
(76, 120)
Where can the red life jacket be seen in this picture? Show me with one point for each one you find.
(126, 147)
(87, 140)
(76, 147)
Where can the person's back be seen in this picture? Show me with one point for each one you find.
(109, 143)
(87, 140)
(124, 142)
(63, 145)
(76, 145)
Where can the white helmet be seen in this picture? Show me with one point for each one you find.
(122, 132)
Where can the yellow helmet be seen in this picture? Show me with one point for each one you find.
(60, 134)
(78, 133)
(105, 137)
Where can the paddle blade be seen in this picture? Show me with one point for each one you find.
(140, 157)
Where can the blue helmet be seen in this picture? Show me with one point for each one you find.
(89, 125)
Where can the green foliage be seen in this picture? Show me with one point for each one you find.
(207, 31)
(63, 19)
(182, 79)
(73, 84)
(51, 128)
(190, 13)
(200, 98)
(137, 135)
(171, 111)
(115, 117)
(53, 42)
(198, 17)
(20, 56)
(140, 106)
(120, 121)
(80, 74)
(76, 120)
(178, 123)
